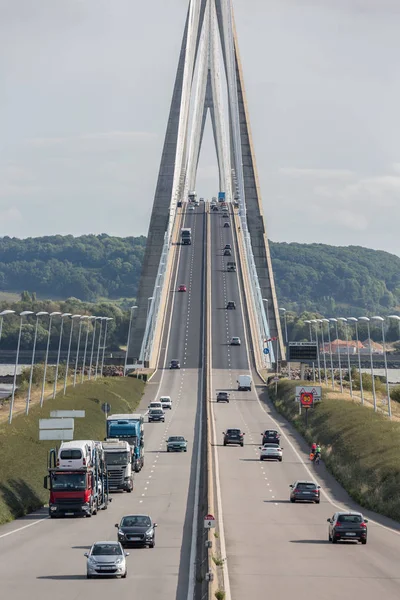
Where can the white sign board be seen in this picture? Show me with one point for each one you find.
(209, 522)
(315, 390)
(56, 424)
(64, 414)
(56, 434)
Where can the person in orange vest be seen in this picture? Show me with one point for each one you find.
(312, 456)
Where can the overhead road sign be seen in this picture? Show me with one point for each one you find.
(306, 392)
(303, 352)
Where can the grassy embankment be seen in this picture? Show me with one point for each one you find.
(24, 458)
(360, 448)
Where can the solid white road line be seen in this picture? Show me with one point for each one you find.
(24, 527)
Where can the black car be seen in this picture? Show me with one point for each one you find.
(231, 306)
(271, 436)
(179, 204)
(227, 252)
(347, 526)
(136, 530)
(174, 364)
(156, 415)
(233, 436)
(228, 247)
(227, 224)
(222, 397)
(305, 490)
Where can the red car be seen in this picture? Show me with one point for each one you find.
(182, 288)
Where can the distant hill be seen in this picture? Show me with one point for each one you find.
(307, 276)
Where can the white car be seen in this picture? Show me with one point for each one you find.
(166, 402)
(191, 208)
(155, 404)
(106, 559)
(273, 451)
(235, 341)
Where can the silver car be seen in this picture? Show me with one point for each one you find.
(106, 559)
(273, 451)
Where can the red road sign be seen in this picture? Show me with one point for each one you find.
(306, 399)
(209, 518)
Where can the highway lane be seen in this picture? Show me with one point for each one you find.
(46, 560)
(273, 546)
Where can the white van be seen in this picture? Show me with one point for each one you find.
(166, 402)
(244, 383)
(76, 454)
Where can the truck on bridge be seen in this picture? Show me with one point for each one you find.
(129, 427)
(77, 489)
(186, 236)
(118, 456)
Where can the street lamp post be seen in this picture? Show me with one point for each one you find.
(129, 337)
(104, 343)
(355, 321)
(382, 321)
(330, 350)
(311, 339)
(348, 353)
(59, 352)
(53, 314)
(81, 319)
(28, 398)
(335, 321)
(2, 315)
(323, 349)
(318, 358)
(148, 305)
(85, 351)
(21, 317)
(92, 350)
(283, 310)
(98, 346)
(366, 320)
(69, 350)
(396, 318)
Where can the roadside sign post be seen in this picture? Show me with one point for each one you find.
(56, 429)
(306, 396)
(209, 522)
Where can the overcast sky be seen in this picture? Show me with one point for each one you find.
(85, 89)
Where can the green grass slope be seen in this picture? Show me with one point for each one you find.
(359, 447)
(24, 458)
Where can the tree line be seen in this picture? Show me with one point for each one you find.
(309, 277)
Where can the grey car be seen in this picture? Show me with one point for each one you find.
(156, 415)
(106, 559)
(176, 443)
(347, 526)
(305, 490)
(137, 530)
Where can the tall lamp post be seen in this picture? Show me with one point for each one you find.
(63, 316)
(53, 314)
(107, 319)
(367, 321)
(85, 351)
(98, 346)
(2, 315)
(382, 322)
(311, 339)
(323, 349)
(93, 342)
(28, 398)
(318, 358)
(81, 319)
(69, 350)
(348, 353)
(129, 337)
(335, 321)
(355, 321)
(283, 310)
(330, 350)
(395, 317)
(21, 317)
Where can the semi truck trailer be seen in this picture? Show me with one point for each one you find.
(118, 457)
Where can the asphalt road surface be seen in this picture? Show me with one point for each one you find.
(43, 559)
(275, 548)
